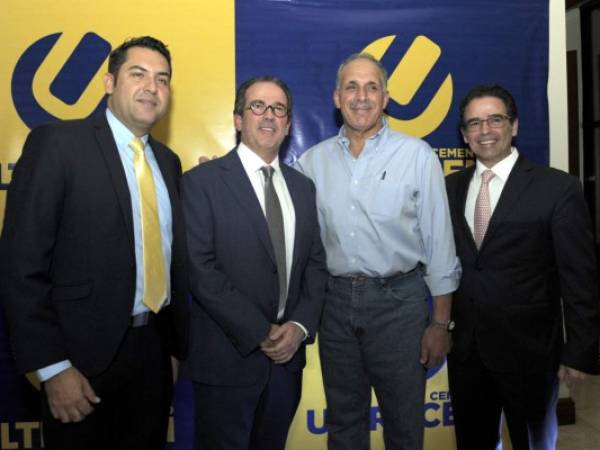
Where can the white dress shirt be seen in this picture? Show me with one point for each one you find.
(501, 171)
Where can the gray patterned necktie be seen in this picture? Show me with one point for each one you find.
(276, 231)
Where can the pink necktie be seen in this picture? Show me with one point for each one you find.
(483, 209)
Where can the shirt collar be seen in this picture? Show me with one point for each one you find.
(502, 168)
(252, 162)
(123, 135)
(372, 142)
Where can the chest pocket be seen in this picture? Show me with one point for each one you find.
(390, 198)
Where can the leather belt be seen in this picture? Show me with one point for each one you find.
(361, 278)
(141, 319)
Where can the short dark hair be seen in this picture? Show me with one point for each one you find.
(240, 95)
(119, 55)
(489, 90)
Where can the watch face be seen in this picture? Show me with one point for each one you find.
(451, 325)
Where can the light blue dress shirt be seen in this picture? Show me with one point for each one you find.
(385, 211)
(123, 137)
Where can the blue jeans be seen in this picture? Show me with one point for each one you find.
(370, 336)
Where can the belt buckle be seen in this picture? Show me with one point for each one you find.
(359, 279)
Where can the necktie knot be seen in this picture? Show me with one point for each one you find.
(487, 175)
(137, 145)
(267, 172)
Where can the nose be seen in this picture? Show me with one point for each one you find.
(151, 85)
(269, 111)
(362, 93)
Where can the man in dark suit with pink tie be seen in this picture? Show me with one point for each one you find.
(524, 237)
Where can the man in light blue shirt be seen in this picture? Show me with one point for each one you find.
(385, 225)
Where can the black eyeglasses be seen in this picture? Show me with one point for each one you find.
(493, 121)
(259, 108)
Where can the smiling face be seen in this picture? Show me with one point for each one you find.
(139, 95)
(263, 134)
(361, 97)
(490, 145)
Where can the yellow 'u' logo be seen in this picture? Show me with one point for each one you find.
(408, 76)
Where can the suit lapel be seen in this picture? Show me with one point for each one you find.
(110, 153)
(236, 179)
(461, 194)
(170, 177)
(518, 180)
(163, 164)
(299, 211)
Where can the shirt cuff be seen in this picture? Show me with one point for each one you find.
(303, 328)
(45, 373)
(444, 283)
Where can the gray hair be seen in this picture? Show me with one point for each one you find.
(383, 75)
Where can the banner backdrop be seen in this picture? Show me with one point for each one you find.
(54, 55)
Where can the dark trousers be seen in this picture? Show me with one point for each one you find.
(479, 396)
(135, 393)
(370, 337)
(256, 417)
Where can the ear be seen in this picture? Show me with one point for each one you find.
(463, 135)
(109, 83)
(336, 98)
(386, 99)
(237, 121)
(515, 127)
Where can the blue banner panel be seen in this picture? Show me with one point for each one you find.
(434, 51)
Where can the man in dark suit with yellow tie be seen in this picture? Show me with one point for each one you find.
(523, 235)
(93, 263)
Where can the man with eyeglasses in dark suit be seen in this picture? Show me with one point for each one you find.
(257, 274)
(523, 235)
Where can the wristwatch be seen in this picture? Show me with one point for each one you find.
(447, 325)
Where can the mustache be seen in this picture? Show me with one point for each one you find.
(268, 122)
(362, 104)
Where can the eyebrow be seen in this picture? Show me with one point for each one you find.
(143, 69)
(265, 103)
(364, 84)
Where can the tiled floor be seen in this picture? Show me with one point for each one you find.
(585, 434)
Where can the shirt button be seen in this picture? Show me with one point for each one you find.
(355, 182)
(352, 233)
(352, 207)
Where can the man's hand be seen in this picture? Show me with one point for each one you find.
(267, 342)
(435, 344)
(570, 376)
(70, 396)
(283, 342)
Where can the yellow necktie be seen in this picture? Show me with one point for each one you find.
(154, 263)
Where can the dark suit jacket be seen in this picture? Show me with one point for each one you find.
(68, 263)
(538, 249)
(233, 274)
